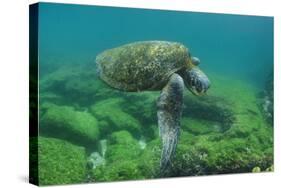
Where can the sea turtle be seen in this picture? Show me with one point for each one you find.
(155, 66)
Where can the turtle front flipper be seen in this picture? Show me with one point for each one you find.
(196, 81)
(169, 112)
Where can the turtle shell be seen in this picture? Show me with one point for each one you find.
(143, 65)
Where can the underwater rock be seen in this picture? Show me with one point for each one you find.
(122, 158)
(114, 118)
(210, 112)
(142, 143)
(102, 147)
(118, 171)
(256, 169)
(54, 80)
(66, 123)
(199, 127)
(126, 159)
(60, 162)
(242, 127)
(223, 132)
(96, 160)
(71, 84)
(149, 160)
(267, 99)
(49, 97)
(88, 86)
(244, 142)
(189, 160)
(268, 107)
(270, 169)
(143, 106)
(201, 155)
(122, 146)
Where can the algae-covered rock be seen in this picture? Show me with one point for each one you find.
(60, 162)
(96, 160)
(49, 97)
(86, 87)
(270, 169)
(122, 156)
(197, 126)
(256, 169)
(189, 160)
(102, 147)
(110, 112)
(54, 80)
(73, 84)
(267, 98)
(222, 132)
(118, 171)
(209, 112)
(244, 140)
(217, 155)
(149, 160)
(122, 146)
(143, 106)
(67, 123)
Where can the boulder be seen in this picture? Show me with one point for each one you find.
(113, 118)
(67, 123)
(60, 162)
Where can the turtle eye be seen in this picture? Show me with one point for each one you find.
(199, 87)
(195, 61)
(193, 83)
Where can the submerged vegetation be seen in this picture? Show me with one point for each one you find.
(92, 133)
(60, 162)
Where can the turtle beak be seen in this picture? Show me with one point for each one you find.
(197, 81)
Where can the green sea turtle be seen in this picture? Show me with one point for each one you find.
(155, 66)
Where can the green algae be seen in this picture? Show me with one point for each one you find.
(198, 127)
(67, 123)
(73, 85)
(256, 169)
(122, 159)
(60, 162)
(245, 144)
(113, 117)
(118, 171)
(122, 146)
(150, 159)
(222, 132)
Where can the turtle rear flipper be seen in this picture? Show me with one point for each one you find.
(169, 112)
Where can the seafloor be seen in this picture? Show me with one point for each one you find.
(92, 133)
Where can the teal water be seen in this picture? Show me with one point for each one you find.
(231, 44)
(226, 131)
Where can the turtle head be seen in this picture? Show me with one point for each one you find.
(195, 79)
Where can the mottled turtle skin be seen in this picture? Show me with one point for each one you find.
(142, 65)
